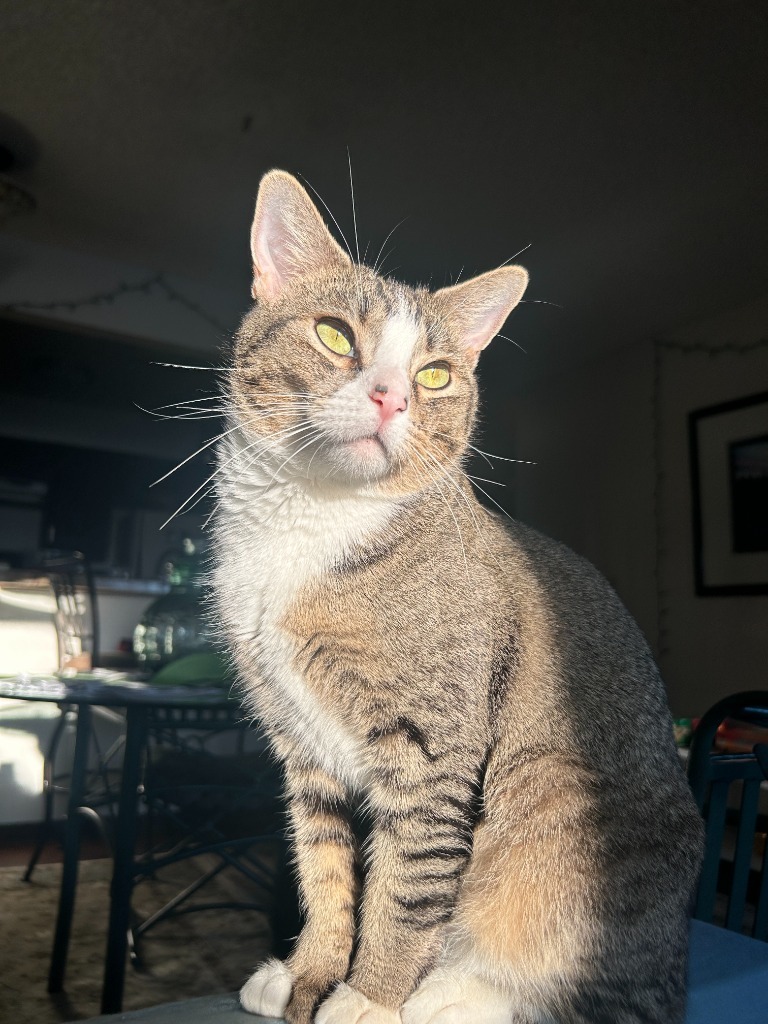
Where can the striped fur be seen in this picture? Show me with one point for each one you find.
(478, 689)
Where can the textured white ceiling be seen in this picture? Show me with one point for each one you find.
(628, 142)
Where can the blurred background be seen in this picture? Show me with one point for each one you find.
(621, 149)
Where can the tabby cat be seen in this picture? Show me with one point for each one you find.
(479, 689)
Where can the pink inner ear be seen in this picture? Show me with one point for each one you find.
(483, 333)
(267, 282)
(482, 329)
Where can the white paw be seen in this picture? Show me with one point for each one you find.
(346, 1005)
(268, 990)
(446, 999)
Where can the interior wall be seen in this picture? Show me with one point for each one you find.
(710, 646)
(613, 482)
(108, 295)
(590, 431)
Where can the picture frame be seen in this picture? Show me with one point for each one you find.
(729, 484)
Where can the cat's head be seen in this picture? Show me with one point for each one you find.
(350, 377)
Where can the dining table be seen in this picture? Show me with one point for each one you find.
(727, 981)
(138, 697)
(728, 972)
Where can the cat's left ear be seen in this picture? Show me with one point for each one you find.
(289, 239)
(476, 309)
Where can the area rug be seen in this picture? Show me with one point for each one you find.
(189, 955)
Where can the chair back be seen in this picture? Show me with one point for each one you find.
(732, 795)
(77, 619)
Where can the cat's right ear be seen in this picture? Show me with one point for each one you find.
(289, 239)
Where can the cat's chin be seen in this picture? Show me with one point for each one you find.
(363, 460)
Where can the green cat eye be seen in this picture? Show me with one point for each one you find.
(434, 377)
(336, 336)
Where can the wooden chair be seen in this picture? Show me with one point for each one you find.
(727, 788)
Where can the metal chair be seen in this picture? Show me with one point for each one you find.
(224, 806)
(727, 788)
(77, 629)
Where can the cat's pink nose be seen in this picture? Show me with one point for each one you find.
(390, 395)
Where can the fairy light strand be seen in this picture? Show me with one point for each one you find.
(156, 283)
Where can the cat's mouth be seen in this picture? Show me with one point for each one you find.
(366, 456)
(369, 443)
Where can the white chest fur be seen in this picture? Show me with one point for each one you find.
(272, 539)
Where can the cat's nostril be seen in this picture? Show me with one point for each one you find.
(391, 401)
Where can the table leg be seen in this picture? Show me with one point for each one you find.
(71, 851)
(122, 875)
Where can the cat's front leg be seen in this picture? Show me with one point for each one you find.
(325, 852)
(424, 810)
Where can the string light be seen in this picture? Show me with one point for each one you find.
(156, 283)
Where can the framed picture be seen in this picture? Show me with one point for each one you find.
(729, 476)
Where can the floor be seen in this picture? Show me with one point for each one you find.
(194, 954)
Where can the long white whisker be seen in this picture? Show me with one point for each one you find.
(354, 212)
(215, 473)
(518, 253)
(327, 207)
(498, 506)
(394, 229)
(183, 366)
(309, 464)
(457, 487)
(502, 458)
(189, 401)
(453, 516)
(207, 444)
(512, 340)
(291, 457)
(192, 414)
(261, 445)
(485, 480)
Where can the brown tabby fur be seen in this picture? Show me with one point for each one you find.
(531, 829)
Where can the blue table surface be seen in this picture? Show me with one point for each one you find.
(728, 981)
(727, 977)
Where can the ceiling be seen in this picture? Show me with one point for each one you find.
(625, 143)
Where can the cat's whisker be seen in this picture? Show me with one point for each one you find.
(184, 505)
(502, 458)
(457, 487)
(354, 211)
(470, 508)
(309, 465)
(189, 412)
(540, 302)
(289, 394)
(291, 457)
(261, 445)
(208, 443)
(455, 520)
(330, 214)
(498, 506)
(190, 415)
(518, 253)
(394, 229)
(184, 366)
(189, 401)
(485, 480)
(441, 433)
(515, 343)
(482, 454)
